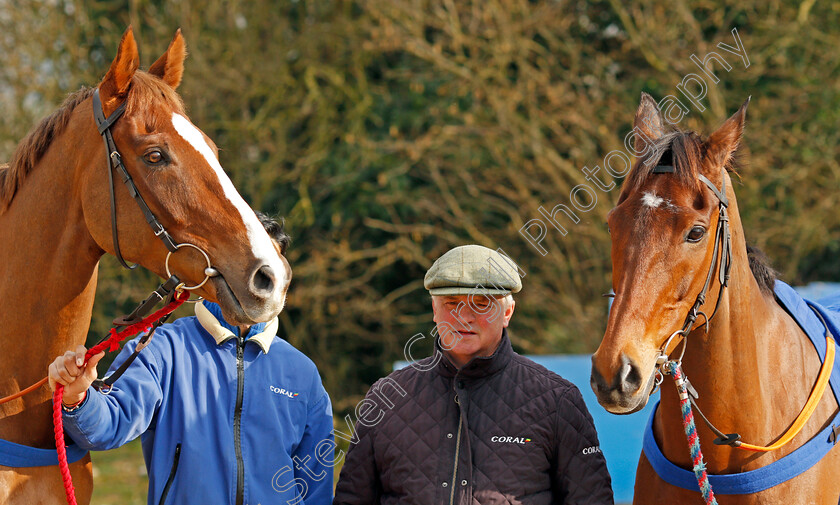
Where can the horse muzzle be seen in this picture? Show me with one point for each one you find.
(259, 299)
(626, 391)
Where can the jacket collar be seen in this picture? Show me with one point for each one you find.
(480, 366)
(210, 317)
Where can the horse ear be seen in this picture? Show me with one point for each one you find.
(170, 66)
(119, 76)
(724, 142)
(648, 122)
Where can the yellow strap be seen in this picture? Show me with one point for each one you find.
(810, 405)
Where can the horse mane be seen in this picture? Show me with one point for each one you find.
(764, 274)
(684, 151)
(144, 90)
(30, 150)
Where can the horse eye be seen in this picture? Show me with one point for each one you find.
(695, 234)
(153, 158)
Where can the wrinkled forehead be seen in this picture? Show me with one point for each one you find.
(470, 299)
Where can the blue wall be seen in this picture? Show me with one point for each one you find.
(620, 436)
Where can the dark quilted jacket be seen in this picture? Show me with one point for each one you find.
(524, 437)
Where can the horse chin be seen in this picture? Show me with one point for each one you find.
(232, 309)
(623, 408)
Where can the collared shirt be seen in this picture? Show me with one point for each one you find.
(211, 320)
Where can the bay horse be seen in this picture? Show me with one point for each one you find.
(55, 225)
(751, 364)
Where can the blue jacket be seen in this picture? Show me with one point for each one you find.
(181, 397)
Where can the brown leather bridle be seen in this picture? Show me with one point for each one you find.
(722, 249)
(104, 125)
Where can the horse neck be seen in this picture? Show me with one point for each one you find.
(48, 267)
(736, 370)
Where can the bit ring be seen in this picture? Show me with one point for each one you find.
(206, 257)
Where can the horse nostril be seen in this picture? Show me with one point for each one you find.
(263, 280)
(628, 379)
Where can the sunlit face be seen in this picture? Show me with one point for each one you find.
(470, 325)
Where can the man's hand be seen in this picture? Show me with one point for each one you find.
(68, 371)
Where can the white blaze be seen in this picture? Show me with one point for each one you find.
(257, 236)
(651, 200)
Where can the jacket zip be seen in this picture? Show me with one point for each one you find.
(237, 419)
(171, 474)
(457, 451)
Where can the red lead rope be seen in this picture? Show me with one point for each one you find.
(111, 344)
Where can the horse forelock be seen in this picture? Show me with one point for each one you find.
(685, 151)
(682, 150)
(146, 90)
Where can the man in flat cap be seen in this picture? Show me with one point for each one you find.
(476, 423)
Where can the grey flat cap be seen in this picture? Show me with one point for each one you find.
(472, 269)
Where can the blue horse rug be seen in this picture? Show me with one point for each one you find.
(803, 458)
(22, 456)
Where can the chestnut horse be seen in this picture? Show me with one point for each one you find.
(754, 369)
(55, 224)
